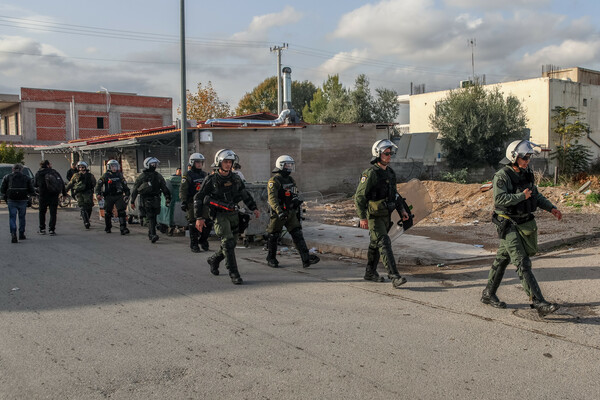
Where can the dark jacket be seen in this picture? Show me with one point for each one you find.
(112, 184)
(17, 186)
(40, 182)
(228, 189)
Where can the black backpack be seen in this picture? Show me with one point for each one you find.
(17, 187)
(53, 183)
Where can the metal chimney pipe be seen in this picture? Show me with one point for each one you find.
(287, 88)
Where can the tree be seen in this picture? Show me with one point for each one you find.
(331, 104)
(336, 104)
(386, 106)
(10, 155)
(476, 125)
(263, 98)
(362, 104)
(571, 156)
(205, 104)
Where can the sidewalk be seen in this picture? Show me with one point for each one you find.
(408, 249)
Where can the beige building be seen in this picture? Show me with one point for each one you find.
(572, 87)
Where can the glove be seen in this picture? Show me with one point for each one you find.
(283, 216)
(184, 207)
(167, 202)
(126, 199)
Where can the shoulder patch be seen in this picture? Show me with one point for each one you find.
(500, 183)
(182, 179)
(270, 184)
(363, 179)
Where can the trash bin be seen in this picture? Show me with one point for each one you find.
(171, 216)
(258, 227)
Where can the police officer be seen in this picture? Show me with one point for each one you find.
(375, 199)
(221, 192)
(284, 204)
(191, 183)
(515, 199)
(112, 187)
(83, 183)
(149, 185)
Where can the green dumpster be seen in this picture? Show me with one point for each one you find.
(171, 216)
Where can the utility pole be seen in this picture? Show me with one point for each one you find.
(472, 43)
(183, 88)
(279, 89)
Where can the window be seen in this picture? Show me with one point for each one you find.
(585, 102)
(100, 123)
(6, 126)
(16, 123)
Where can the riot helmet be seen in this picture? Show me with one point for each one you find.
(225, 154)
(196, 157)
(151, 163)
(112, 165)
(82, 165)
(520, 148)
(285, 163)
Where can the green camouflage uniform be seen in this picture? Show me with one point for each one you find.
(374, 195)
(149, 185)
(519, 230)
(228, 190)
(112, 186)
(83, 188)
(284, 203)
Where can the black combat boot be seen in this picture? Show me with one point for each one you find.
(272, 250)
(390, 265)
(307, 258)
(22, 236)
(14, 238)
(214, 261)
(372, 262)
(152, 230)
(123, 225)
(539, 303)
(107, 222)
(194, 238)
(86, 218)
(231, 262)
(488, 296)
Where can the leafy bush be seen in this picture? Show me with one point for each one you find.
(593, 198)
(457, 176)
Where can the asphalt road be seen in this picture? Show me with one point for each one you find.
(88, 315)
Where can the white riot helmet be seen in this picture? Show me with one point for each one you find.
(82, 164)
(285, 163)
(520, 148)
(380, 145)
(111, 164)
(224, 154)
(151, 162)
(195, 157)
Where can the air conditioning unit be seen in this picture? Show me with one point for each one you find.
(465, 84)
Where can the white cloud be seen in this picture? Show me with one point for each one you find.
(495, 5)
(260, 25)
(569, 53)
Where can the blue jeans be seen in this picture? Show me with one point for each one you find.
(14, 207)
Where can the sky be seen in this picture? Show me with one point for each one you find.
(133, 45)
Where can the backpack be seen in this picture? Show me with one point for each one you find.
(53, 183)
(17, 187)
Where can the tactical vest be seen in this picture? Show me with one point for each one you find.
(520, 182)
(287, 190)
(381, 190)
(225, 188)
(195, 177)
(113, 183)
(83, 182)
